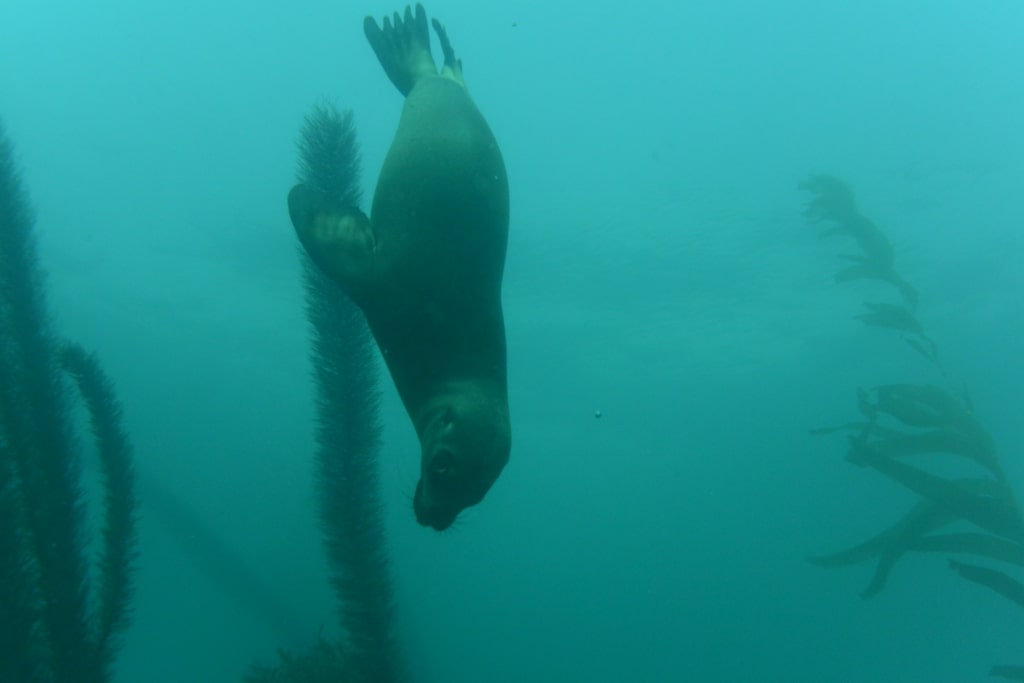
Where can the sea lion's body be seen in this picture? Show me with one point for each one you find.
(440, 217)
(426, 269)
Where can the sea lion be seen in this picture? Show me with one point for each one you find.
(426, 267)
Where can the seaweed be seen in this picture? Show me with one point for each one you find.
(348, 426)
(905, 422)
(345, 371)
(322, 663)
(55, 624)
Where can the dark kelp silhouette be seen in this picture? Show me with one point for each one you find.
(55, 624)
(348, 430)
(904, 422)
(833, 203)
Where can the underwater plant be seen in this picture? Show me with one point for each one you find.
(348, 431)
(833, 203)
(55, 624)
(322, 663)
(902, 422)
(348, 438)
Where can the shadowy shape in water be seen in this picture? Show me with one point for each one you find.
(994, 513)
(833, 202)
(1012, 673)
(999, 582)
(890, 545)
(894, 317)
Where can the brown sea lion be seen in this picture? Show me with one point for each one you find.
(426, 267)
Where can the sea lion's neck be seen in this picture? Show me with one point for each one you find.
(431, 359)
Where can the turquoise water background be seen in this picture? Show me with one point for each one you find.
(659, 272)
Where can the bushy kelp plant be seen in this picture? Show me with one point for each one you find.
(977, 516)
(350, 506)
(61, 614)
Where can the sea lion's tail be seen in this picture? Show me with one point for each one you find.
(402, 46)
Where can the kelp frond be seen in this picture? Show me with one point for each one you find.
(37, 433)
(905, 420)
(46, 631)
(118, 551)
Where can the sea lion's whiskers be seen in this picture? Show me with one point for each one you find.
(455, 527)
(408, 494)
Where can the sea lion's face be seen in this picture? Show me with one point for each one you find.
(465, 446)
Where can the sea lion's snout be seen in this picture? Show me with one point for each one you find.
(448, 485)
(437, 518)
(465, 440)
(456, 471)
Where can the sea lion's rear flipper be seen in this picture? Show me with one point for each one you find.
(339, 239)
(403, 47)
(452, 65)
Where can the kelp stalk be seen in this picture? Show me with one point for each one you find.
(345, 367)
(48, 631)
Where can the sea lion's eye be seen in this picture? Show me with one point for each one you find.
(443, 464)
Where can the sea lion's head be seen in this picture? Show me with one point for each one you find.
(465, 437)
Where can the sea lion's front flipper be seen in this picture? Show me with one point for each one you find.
(402, 47)
(339, 239)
